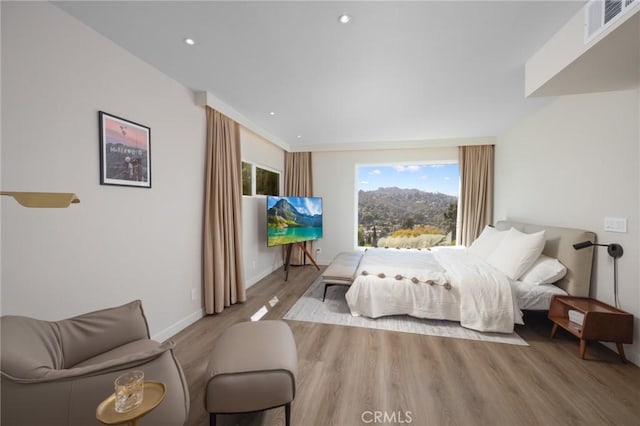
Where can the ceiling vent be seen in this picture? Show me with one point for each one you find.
(602, 13)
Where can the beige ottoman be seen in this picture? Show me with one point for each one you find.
(252, 367)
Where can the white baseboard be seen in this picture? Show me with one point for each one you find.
(178, 326)
(254, 279)
(196, 315)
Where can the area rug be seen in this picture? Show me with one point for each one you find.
(334, 310)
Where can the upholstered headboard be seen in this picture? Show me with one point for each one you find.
(560, 245)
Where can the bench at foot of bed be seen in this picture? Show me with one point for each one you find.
(341, 270)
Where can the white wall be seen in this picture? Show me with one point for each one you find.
(259, 260)
(568, 65)
(334, 179)
(119, 243)
(573, 163)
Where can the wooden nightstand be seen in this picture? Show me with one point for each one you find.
(601, 322)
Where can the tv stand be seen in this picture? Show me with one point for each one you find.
(287, 261)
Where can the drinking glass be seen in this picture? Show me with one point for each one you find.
(129, 390)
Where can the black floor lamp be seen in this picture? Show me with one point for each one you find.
(615, 251)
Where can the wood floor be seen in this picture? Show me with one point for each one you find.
(348, 376)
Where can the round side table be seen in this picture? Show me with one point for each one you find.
(153, 395)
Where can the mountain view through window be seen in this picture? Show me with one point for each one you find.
(407, 206)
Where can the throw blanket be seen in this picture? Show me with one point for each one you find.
(416, 266)
(447, 284)
(486, 302)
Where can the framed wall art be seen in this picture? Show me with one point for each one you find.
(125, 152)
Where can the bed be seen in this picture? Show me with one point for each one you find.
(476, 286)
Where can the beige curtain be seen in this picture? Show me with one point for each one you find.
(224, 282)
(298, 182)
(475, 206)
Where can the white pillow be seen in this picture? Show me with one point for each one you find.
(545, 270)
(517, 252)
(487, 242)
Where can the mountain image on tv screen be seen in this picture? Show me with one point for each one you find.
(293, 219)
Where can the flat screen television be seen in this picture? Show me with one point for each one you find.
(293, 219)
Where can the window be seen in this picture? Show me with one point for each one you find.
(247, 181)
(257, 180)
(407, 206)
(267, 182)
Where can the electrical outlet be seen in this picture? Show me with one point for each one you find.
(194, 293)
(319, 250)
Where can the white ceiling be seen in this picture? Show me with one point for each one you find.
(400, 71)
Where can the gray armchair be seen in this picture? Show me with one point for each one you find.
(56, 373)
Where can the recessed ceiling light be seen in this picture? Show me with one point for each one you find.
(189, 41)
(344, 19)
(272, 113)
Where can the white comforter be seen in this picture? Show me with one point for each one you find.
(446, 284)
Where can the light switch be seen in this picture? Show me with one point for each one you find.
(615, 224)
